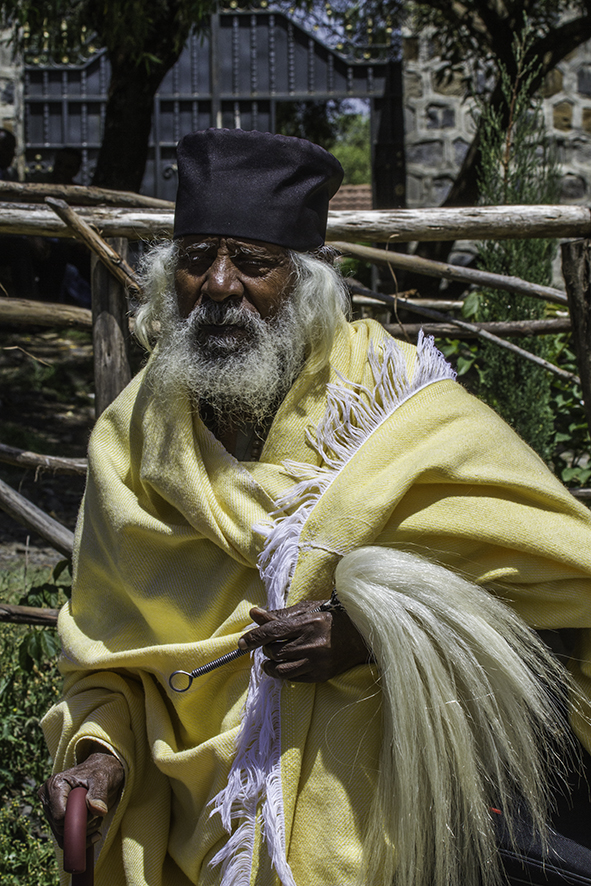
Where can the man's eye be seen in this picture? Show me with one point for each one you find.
(253, 266)
(194, 262)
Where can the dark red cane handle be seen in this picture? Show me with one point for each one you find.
(75, 832)
(78, 860)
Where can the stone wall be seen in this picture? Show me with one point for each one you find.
(11, 98)
(439, 123)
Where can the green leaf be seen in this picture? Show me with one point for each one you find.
(24, 659)
(464, 364)
(60, 568)
(471, 304)
(50, 644)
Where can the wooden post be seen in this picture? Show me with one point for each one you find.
(112, 370)
(576, 269)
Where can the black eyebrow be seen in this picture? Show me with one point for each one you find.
(235, 249)
(197, 247)
(252, 252)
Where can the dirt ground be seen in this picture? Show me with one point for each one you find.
(46, 406)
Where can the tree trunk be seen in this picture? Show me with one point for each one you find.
(128, 120)
(576, 269)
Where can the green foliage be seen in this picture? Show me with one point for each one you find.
(329, 124)
(352, 147)
(58, 382)
(26, 853)
(39, 645)
(517, 168)
(29, 685)
(314, 120)
(463, 355)
(58, 29)
(479, 33)
(571, 441)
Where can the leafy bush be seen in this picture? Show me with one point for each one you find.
(29, 685)
(571, 440)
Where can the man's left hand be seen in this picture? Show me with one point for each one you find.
(304, 645)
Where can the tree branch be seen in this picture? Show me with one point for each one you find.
(453, 272)
(28, 615)
(21, 458)
(471, 327)
(29, 515)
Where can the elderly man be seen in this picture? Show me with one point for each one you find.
(268, 450)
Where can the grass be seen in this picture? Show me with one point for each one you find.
(29, 685)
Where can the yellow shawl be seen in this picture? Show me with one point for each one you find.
(166, 574)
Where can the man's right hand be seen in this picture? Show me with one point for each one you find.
(101, 774)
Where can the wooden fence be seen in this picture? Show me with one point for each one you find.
(106, 221)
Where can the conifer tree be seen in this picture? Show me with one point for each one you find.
(518, 167)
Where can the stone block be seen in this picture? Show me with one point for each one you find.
(464, 255)
(553, 83)
(562, 147)
(586, 119)
(414, 190)
(413, 85)
(460, 150)
(584, 80)
(449, 84)
(580, 151)
(410, 49)
(440, 117)
(434, 47)
(562, 116)
(572, 55)
(410, 120)
(441, 188)
(428, 153)
(572, 188)
(7, 91)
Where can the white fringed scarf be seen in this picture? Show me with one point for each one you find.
(353, 414)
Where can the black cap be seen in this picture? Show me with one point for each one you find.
(255, 185)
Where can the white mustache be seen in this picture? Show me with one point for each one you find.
(221, 314)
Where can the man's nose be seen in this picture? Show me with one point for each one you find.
(222, 280)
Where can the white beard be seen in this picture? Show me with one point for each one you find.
(240, 378)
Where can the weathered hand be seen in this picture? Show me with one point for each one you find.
(102, 774)
(303, 645)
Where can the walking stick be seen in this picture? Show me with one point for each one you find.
(78, 859)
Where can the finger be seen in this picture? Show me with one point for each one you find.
(104, 783)
(54, 797)
(280, 650)
(291, 670)
(304, 607)
(97, 804)
(279, 629)
(262, 616)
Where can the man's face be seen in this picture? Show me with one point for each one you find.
(232, 331)
(248, 274)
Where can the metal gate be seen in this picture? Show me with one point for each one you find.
(233, 76)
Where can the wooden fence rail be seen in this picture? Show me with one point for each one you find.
(372, 226)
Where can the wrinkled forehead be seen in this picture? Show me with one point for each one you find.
(232, 246)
